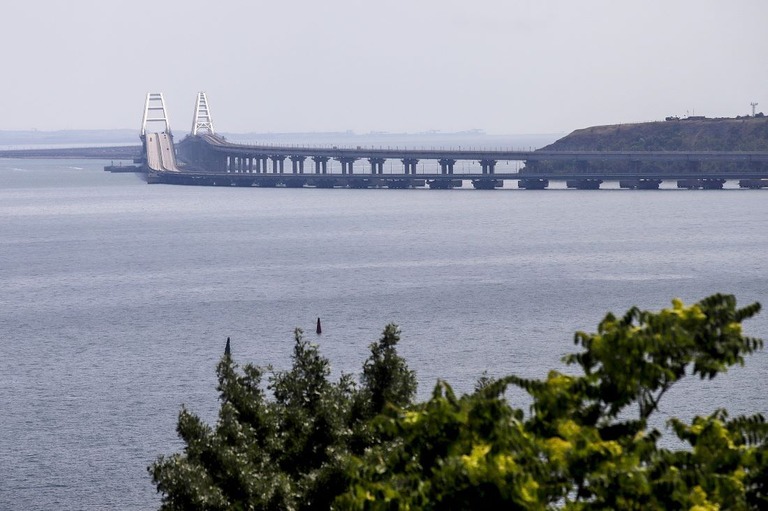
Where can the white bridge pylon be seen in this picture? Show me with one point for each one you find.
(155, 111)
(202, 119)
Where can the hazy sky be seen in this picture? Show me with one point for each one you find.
(504, 66)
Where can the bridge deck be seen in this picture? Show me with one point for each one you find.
(217, 144)
(161, 155)
(211, 159)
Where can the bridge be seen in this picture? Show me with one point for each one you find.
(205, 158)
(158, 149)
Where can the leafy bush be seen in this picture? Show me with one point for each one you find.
(585, 443)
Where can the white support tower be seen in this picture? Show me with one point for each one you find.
(154, 111)
(202, 120)
(753, 108)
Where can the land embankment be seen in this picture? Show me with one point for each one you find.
(688, 134)
(692, 134)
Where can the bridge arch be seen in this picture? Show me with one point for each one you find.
(154, 112)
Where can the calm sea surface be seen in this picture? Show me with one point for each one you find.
(117, 297)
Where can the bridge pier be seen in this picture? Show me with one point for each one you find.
(297, 164)
(712, 184)
(377, 165)
(241, 164)
(488, 166)
(533, 184)
(321, 164)
(409, 165)
(640, 184)
(347, 164)
(703, 183)
(446, 165)
(584, 184)
(278, 164)
(754, 184)
(236, 165)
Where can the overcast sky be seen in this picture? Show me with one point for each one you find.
(503, 66)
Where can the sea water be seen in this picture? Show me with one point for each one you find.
(117, 297)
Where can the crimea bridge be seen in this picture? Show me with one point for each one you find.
(205, 158)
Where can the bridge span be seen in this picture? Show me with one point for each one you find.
(208, 159)
(161, 155)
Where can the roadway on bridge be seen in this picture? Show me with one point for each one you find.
(217, 143)
(160, 152)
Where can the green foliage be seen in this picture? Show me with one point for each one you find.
(585, 444)
(288, 450)
(386, 378)
(580, 448)
(449, 453)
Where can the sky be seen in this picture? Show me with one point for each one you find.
(400, 66)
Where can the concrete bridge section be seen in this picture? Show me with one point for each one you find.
(447, 157)
(208, 159)
(161, 155)
(268, 165)
(158, 150)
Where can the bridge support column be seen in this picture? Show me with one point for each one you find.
(533, 184)
(321, 164)
(235, 165)
(409, 165)
(264, 164)
(446, 165)
(347, 165)
(488, 166)
(584, 184)
(377, 165)
(278, 164)
(297, 164)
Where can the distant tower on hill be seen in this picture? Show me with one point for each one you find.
(753, 108)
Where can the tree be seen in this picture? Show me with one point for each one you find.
(584, 444)
(287, 451)
(580, 447)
